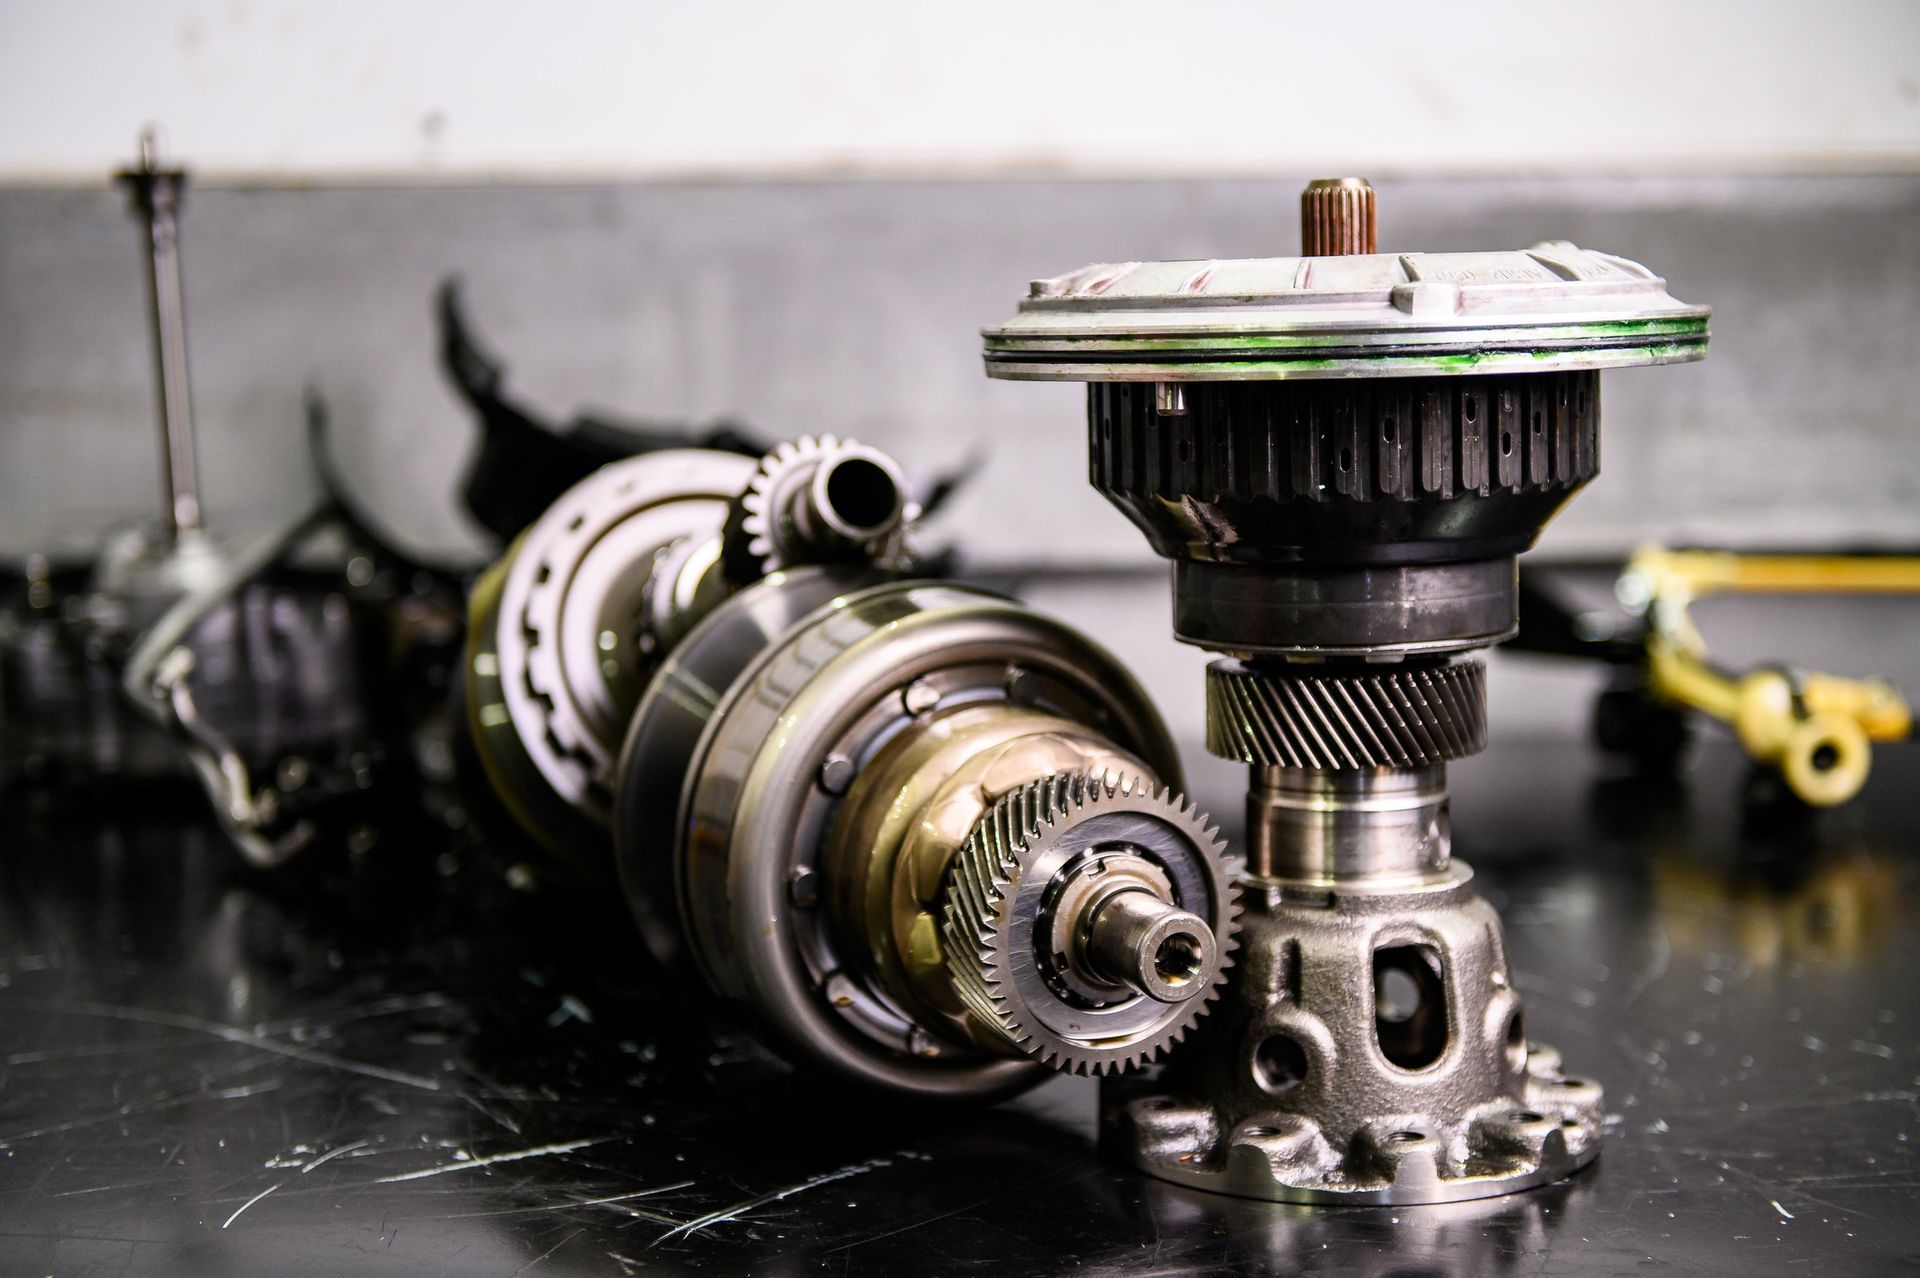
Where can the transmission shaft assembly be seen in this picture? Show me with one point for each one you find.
(1342, 453)
(922, 837)
(928, 840)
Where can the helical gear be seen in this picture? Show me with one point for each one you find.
(1022, 850)
(756, 543)
(1314, 717)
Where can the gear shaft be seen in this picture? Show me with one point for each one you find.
(817, 499)
(1088, 920)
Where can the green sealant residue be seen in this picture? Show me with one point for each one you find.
(1483, 361)
(1688, 327)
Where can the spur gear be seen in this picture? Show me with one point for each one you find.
(815, 500)
(1088, 921)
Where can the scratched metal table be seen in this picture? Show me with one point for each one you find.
(419, 1064)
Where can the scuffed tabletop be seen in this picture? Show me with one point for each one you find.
(419, 1063)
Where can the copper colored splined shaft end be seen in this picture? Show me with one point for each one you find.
(1336, 217)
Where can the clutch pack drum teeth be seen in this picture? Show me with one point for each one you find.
(790, 512)
(1068, 854)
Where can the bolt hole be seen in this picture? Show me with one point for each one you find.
(1575, 1082)
(1569, 1122)
(1260, 1133)
(1279, 1064)
(1516, 1042)
(1179, 959)
(1526, 1116)
(1826, 756)
(1388, 430)
(1506, 443)
(1346, 459)
(1471, 407)
(1407, 1138)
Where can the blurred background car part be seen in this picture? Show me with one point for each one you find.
(1343, 453)
(287, 689)
(1814, 731)
(523, 463)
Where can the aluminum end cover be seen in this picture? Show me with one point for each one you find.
(1548, 308)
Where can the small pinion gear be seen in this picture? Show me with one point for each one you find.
(1030, 843)
(817, 499)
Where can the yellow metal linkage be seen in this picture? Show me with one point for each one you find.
(1815, 728)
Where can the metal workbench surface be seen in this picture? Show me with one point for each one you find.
(421, 1061)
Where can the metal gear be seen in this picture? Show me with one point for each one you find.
(1321, 717)
(817, 499)
(1089, 920)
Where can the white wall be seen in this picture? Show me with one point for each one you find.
(459, 89)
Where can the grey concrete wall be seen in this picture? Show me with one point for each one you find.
(854, 307)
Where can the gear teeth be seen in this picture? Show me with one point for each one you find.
(750, 544)
(988, 875)
(1404, 718)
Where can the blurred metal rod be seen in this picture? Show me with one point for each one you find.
(155, 195)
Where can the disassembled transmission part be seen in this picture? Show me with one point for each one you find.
(283, 690)
(921, 835)
(1815, 729)
(816, 501)
(567, 628)
(1342, 453)
(523, 461)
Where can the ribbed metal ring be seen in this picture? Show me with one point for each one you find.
(1406, 718)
